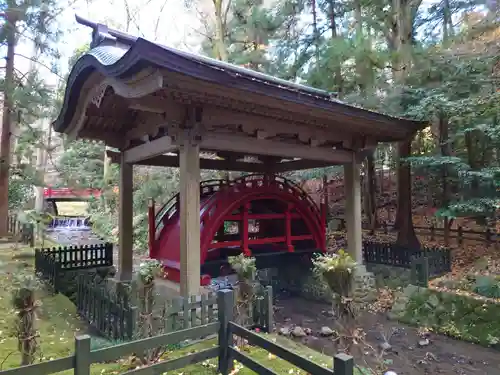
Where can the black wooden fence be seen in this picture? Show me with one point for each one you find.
(111, 311)
(225, 351)
(50, 263)
(426, 263)
(22, 232)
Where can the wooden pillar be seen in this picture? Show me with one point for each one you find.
(126, 239)
(189, 165)
(151, 226)
(352, 184)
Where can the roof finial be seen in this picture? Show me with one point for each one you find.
(100, 32)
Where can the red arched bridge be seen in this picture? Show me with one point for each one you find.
(258, 215)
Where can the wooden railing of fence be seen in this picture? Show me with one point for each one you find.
(425, 263)
(110, 313)
(22, 232)
(113, 314)
(84, 357)
(50, 262)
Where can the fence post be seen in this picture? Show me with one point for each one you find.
(433, 232)
(488, 236)
(82, 355)
(343, 364)
(460, 236)
(268, 298)
(225, 305)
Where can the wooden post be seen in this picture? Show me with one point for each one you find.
(343, 364)
(151, 225)
(225, 301)
(189, 165)
(353, 210)
(460, 235)
(288, 228)
(244, 230)
(268, 298)
(126, 238)
(82, 355)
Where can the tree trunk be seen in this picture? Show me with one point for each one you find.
(406, 232)
(445, 151)
(337, 70)
(220, 32)
(5, 140)
(315, 30)
(371, 197)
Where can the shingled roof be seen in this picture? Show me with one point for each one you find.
(118, 55)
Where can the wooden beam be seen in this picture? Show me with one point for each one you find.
(218, 165)
(150, 149)
(252, 146)
(296, 165)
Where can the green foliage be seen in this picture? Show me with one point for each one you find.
(81, 165)
(487, 286)
(243, 266)
(19, 192)
(149, 270)
(458, 316)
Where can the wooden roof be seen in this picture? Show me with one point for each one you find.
(127, 91)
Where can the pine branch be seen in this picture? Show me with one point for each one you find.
(41, 64)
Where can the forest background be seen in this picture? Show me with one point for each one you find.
(428, 60)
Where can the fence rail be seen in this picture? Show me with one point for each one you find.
(110, 314)
(113, 312)
(84, 357)
(426, 263)
(22, 232)
(50, 263)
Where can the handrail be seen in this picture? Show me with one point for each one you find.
(169, 208)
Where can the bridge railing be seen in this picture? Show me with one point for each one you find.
(208, 187)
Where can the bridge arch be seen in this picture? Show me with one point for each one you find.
(288, 218)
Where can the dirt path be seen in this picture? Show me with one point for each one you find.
(442, 355)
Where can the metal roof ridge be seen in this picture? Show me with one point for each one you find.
(101, 34)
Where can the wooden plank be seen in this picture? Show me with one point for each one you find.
(175, 364)
(249, 145)
(285, 354)
(150, 149)
(115, 352)
(44, 368)
(250, 363)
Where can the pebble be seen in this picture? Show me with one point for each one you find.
(424, 342)
(326, 331)
(298, 332)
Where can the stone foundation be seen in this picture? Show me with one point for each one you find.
(389, 276)
(364, 292)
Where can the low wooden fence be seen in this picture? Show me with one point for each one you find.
(51, 262)
(22, 232)
(488, 235)
(111, 314)
(114, 314)
(426, 263)
(84, 357)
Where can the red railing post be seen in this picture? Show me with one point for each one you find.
(288, 228)
(151, 226)
(244, 231)
(323, 223)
